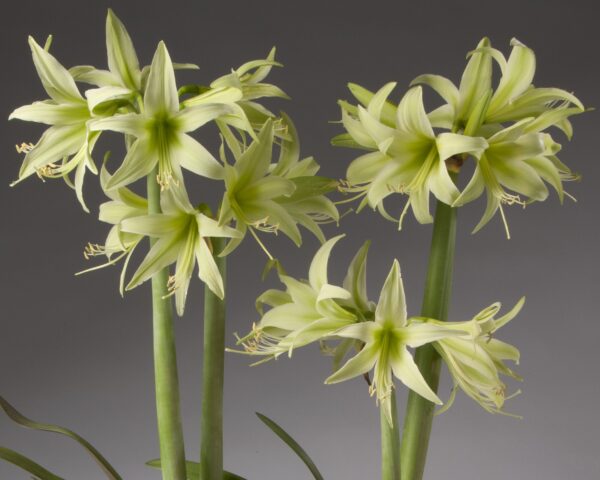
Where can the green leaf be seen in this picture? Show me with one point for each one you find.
(193, 470)
(17, 417)
(26, 464)
(290, 442)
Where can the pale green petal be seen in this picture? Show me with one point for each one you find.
(261, 90)
(526, 146)
(444, 87)
(378, 101)
(441, 185)
(500, 322)
(478, 114)
(551, 118)
(317, 274)
(215, 95)
(267, 188)
(357, 131)
(56, 79)
(122, 58)
(363, 331)
(442, 117)
(155, 225)
(416, 334)
(519, 74)
(449, 144)
(476, 79)
(192, 118)
(366, 167)
(208, 270)
(255, 161)
(78, 183)
(100, 99)
(391, 307)
(411, 115)
(128, 123)
(329, 291)
(184, 267)
(193, 156)
(358, 365)
(138, 163)
(520, 178)
(472, 191)
(546, 169)
(374, 128)
(55, 144)
(364, 96)
(356, 279)
(419, 202)
(207, 227)
(94, 76)
(161, 90)
(114, 212)
(290, 317)
(53, 114)
(162, 254)
(408, 373)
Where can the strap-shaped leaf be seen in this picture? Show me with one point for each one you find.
(26, 464)
(193, 470)
(290, 442)
(17, 417)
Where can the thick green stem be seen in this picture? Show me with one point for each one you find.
(390, 444)
(438, 286)
(170, 432)
(211, 438)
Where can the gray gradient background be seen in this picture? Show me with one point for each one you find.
(74, 353)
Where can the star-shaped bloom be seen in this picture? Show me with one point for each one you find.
(161, 131)
(386, 341)
(183, 237)
(407, 156)
(307, 311)
(476, 359)
(67, 144)
(277, 196)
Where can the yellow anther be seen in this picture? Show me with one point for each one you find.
(24, 147)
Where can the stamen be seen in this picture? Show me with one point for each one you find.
(93, 250)
(24, 147)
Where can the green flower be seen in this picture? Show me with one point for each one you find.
(518, 158)
(274, 197)
(307, 311)
(407, 156)
(67, 144)
(118, 244)
(161, 131)
(385, 341)
(183, 237)
(476, 359)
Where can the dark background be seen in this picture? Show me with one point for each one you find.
(74, 353)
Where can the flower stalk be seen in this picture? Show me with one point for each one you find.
(438, 289)
(211, 437)
(170, 432)
(390, 443)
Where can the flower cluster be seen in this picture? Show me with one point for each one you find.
(503, 129)
(381, 333)
(156, 118)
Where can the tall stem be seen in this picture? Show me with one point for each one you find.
(390, 444)
(438, 286)
(211, 438)
(170, 432)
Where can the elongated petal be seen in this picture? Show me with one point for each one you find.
(55, 144)
(521, 178)
(500, 322)
(94, 76)
(379, 100)
(518, 76)
(154, 225)
(114, 211)
(56, 79)
(441, 185)
(356, 279)
(193, 156)
(102, 99)
(192, 118)
(472, 191)
(53, 114)
(391, 308)
(387, 113)
(363, 331)
(377, 131)
(215, 95)
(411, 114)
(317, 274)
(361, 363)
(207, 227)
(161, 90)
(138, 163)
(128, 123)
(408, 373)
(416, 334)
(255, 160)
(366, 167)
(444, 87)
(162, 254)
(476, 79)
(208, 270)
(122, 58)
